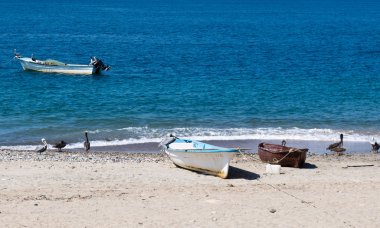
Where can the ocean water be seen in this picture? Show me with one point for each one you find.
(210, 69)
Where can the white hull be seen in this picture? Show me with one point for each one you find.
(211, 163)
(198, 156)
(29, 64)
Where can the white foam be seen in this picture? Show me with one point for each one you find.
(139, 135)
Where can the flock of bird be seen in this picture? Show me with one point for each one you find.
(62, 144)
(339, 149)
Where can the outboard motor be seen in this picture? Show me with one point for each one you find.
(98, 64)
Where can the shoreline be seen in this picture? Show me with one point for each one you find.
(135, 189)
(315, 147)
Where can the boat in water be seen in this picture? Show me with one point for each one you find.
(282, 155)
(198, 156)
(53, 66)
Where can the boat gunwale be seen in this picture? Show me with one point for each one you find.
(42, 63)
(284, 149)
(212, 149)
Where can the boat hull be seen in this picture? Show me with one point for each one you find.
(199, 156)
(216, 164)
(282, 155)
(28, 64)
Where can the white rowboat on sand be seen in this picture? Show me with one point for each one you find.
(198, 156)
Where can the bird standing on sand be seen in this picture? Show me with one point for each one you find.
(44, 148)
(375, 146)
(60, 145)
(337, 147)
(87, 142)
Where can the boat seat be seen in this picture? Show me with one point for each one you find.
(181, 146)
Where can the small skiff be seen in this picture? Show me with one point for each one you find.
(53, 66)
(198, 156)
(282, 155)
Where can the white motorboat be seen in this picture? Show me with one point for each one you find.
(53, 66)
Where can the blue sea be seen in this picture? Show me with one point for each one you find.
(205, 69)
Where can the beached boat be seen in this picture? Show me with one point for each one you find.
(198, 156)
(282, 155)
(53, 66)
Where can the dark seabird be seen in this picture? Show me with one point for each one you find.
(60, 145)
(44, 148)
(87, 142)
(375, 147)
(336, 145)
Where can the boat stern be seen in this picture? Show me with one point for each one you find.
(98, 65)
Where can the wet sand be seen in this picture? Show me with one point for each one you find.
(147, 190)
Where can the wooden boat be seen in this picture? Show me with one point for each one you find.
(282, 155)
(53, 66)
(198, 156)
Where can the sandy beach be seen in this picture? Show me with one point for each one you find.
(147, 190)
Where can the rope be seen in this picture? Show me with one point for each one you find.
(305, 202)
(292, 150)
(278, 161)
(244, 157)
(12, 59)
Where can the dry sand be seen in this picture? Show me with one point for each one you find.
(117, 190)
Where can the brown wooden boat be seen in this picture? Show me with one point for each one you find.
(282, 155)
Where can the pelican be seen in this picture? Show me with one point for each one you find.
(60, 145)
(336, 145)
(375, 146)
(87, 142)
(44, 148)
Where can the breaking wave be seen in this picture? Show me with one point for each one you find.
(139, 135)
